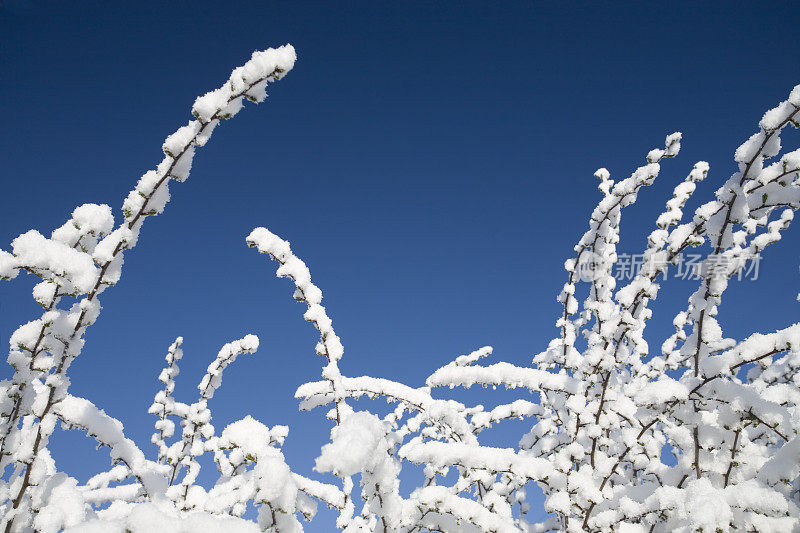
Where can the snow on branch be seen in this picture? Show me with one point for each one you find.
(81, 259)
(701, 435)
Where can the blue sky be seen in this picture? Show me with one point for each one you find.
(431, 162)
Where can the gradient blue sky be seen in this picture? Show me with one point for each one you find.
(431, 162)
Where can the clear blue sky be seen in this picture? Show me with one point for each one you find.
(431, 162)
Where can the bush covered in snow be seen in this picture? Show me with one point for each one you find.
(699, 436)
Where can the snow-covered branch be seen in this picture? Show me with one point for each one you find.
(703, 435)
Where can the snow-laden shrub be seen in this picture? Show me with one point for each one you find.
(699, 436)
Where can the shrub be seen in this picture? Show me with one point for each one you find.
(701, 436)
